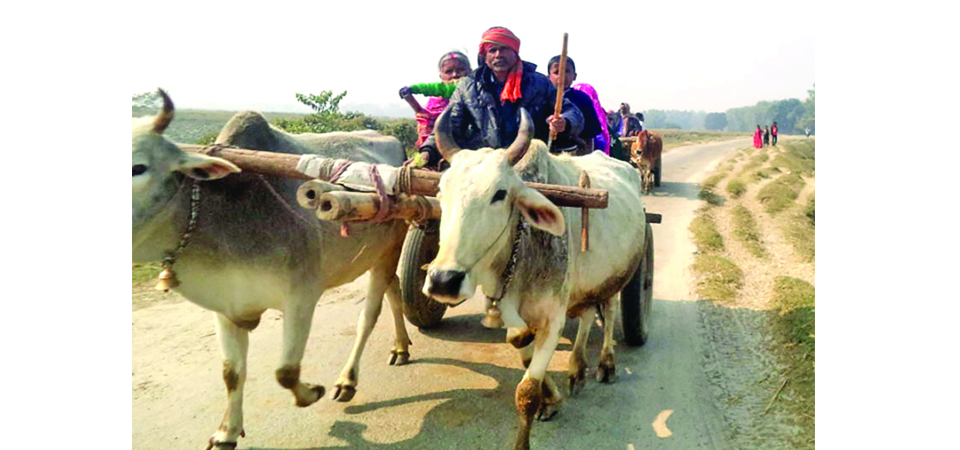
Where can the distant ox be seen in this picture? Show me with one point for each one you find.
(646, 152)
(486, 212)
(254, 248)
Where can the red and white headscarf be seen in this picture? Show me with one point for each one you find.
(502, 36)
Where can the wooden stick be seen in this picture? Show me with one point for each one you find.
(775, 394)
(422, 182)
(584, 216)
(558, 107)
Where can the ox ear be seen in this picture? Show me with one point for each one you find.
(540, 212)
(203, 167)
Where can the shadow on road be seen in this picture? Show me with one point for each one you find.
(727, 382)
(669, 189)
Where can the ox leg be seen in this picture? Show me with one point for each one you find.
(530, 395)
(346, 385)
(607, 370)
(400, 353)
(234, 342)
(552, 397)
(577, 370)
(297, 318)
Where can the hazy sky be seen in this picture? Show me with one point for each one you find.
(697, 56)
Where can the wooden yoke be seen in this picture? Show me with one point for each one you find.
(422, 182)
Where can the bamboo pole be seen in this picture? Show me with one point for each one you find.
(353, 206)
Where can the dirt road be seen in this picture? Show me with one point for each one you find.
(457, 392)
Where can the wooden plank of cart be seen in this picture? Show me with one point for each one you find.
(412, 198)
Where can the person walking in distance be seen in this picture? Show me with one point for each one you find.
(773, 133)
(766, 136)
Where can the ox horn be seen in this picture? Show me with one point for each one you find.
(166, 116)
(445, 142)
(520, 145)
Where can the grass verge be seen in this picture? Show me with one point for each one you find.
(705, 234)
(736, 187)
(779, 194)
(796, 348)
(745, 229)
(718, 278)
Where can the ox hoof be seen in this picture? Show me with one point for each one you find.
(399, 357)
(606, 374)
(576, 384)
(547, 411)
(344, 393)
(220, 445)
(318, 392)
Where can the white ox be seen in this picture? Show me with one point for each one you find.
(483, 197)
(255, 248)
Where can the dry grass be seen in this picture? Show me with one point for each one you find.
(796, 346)
(746, 230)
(718, 278)
(736, 187)
(780, 193)
(766, 262)
(705, 234)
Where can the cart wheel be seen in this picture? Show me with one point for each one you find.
(656, 172)
(419, 248)
(636, 296)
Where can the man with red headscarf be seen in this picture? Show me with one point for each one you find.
(485, 108)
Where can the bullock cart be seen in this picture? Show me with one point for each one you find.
(628, 141)
(339, 190)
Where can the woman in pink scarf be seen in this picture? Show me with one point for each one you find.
(757, 139)
(602, 141)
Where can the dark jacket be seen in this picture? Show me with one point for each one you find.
(591, 124)
(479, 119)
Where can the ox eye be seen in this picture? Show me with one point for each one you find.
(139, 169)
(500, 195)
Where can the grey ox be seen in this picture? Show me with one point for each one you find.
(484, 200)
(254, 248)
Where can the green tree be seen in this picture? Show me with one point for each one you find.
(146, 103)
(715, 121)
(809, 111)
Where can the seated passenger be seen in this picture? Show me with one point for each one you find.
(582, 143)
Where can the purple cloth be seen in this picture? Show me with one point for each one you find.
(602, 141)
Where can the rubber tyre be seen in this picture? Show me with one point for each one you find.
(636, 297)
(419, 248)
(656, 172)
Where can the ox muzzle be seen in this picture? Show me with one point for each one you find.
(448, 286)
